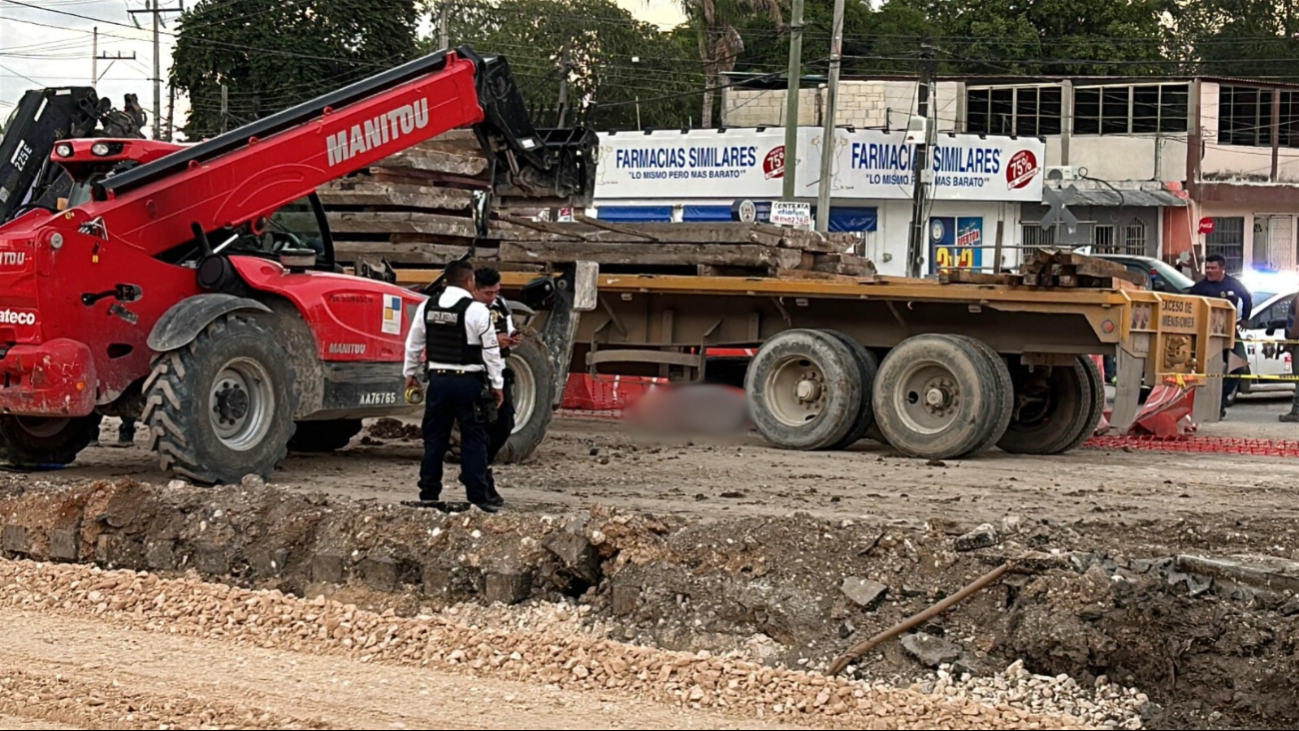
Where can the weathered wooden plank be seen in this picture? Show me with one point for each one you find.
(434, 161)
(399, 222)
(965, 276)
(365, 192)
(820, 276)
(399, 253)
(740, 255)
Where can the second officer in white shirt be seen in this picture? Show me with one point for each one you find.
(454, 339)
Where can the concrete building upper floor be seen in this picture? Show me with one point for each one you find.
(1101, 128)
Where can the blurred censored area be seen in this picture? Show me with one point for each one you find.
(656, 406)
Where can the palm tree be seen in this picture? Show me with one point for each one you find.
(719, 41)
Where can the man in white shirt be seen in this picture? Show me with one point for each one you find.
(452, 338)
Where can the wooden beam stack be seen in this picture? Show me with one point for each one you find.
(1051, 269)
(414, 209)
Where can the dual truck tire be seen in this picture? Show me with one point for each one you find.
(934, 396)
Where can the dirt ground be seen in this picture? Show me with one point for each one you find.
(93, 661)
(1119, 501)
(585, 461)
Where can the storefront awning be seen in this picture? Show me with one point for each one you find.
(1128, 198)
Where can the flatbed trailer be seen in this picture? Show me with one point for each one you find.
(936, 370)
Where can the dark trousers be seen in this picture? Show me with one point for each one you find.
(1229, 385)
(500, 430)
(451, 400)
(126, 432)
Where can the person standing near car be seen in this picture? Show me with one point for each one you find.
(488, 292)
(1292, 334)
(1217, 283)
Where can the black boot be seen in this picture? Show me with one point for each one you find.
(494, 498)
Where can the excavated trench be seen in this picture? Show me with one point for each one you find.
(1197, 619)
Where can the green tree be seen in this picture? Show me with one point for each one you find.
(272, 54)
(617, 72)
(1238, 38)
(716, 25)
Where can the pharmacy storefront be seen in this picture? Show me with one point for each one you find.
(977, 186)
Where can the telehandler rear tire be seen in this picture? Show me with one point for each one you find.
(31, 442)
(324, 436)
(222, 406)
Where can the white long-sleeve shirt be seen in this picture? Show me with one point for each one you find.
(478, 326)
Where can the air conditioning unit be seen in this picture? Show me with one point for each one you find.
(1061, 173)
(917, 131)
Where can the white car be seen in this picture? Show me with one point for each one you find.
(1266, 359)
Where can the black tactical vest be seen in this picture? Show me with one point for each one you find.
(446, 340)
(500, 322)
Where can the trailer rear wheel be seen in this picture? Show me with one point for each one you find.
(1052, 409)
(1006, 388)
(867, 367)
(937, 396)
(30, 441)
(533, 394)
(1097, 382)
(804, 389)
(222, 406)
(324, 436)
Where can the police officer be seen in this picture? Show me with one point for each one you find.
(453, 332)
(1292, 334)
(488, 283)
(1217, 283)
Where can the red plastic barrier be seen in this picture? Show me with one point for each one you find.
(1166, 413)
(1199, 445)
(607, 395)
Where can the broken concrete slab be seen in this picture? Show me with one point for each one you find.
(65, 544)
(507, 588)
(864, 593)
(929, 650)
(625, 600)
(14, 540)
(985, 536)
(576, 554)
(379, 573)
(327, 568)
(1260, 572)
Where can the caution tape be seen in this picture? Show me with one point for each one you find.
(1180, 377)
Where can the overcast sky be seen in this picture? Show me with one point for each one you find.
(50, 43)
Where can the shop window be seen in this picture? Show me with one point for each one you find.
(1035, 235)
(1144, 109)
(1228, 240)
(1103, 240)
(1134, 238)
(1028, 111)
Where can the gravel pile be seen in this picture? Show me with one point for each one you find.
(1104, 706)
(273, 620)
(59, 697)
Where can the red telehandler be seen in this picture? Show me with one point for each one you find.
(179, 285)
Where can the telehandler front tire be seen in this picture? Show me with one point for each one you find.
(222, 406)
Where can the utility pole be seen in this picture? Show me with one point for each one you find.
(920, 161)
(444, 24)
(111, 60)
(791, 99)
(94, 60)
(563, 83)
(171, 111)
(154, 8)
(225, 107)
(828, 147)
